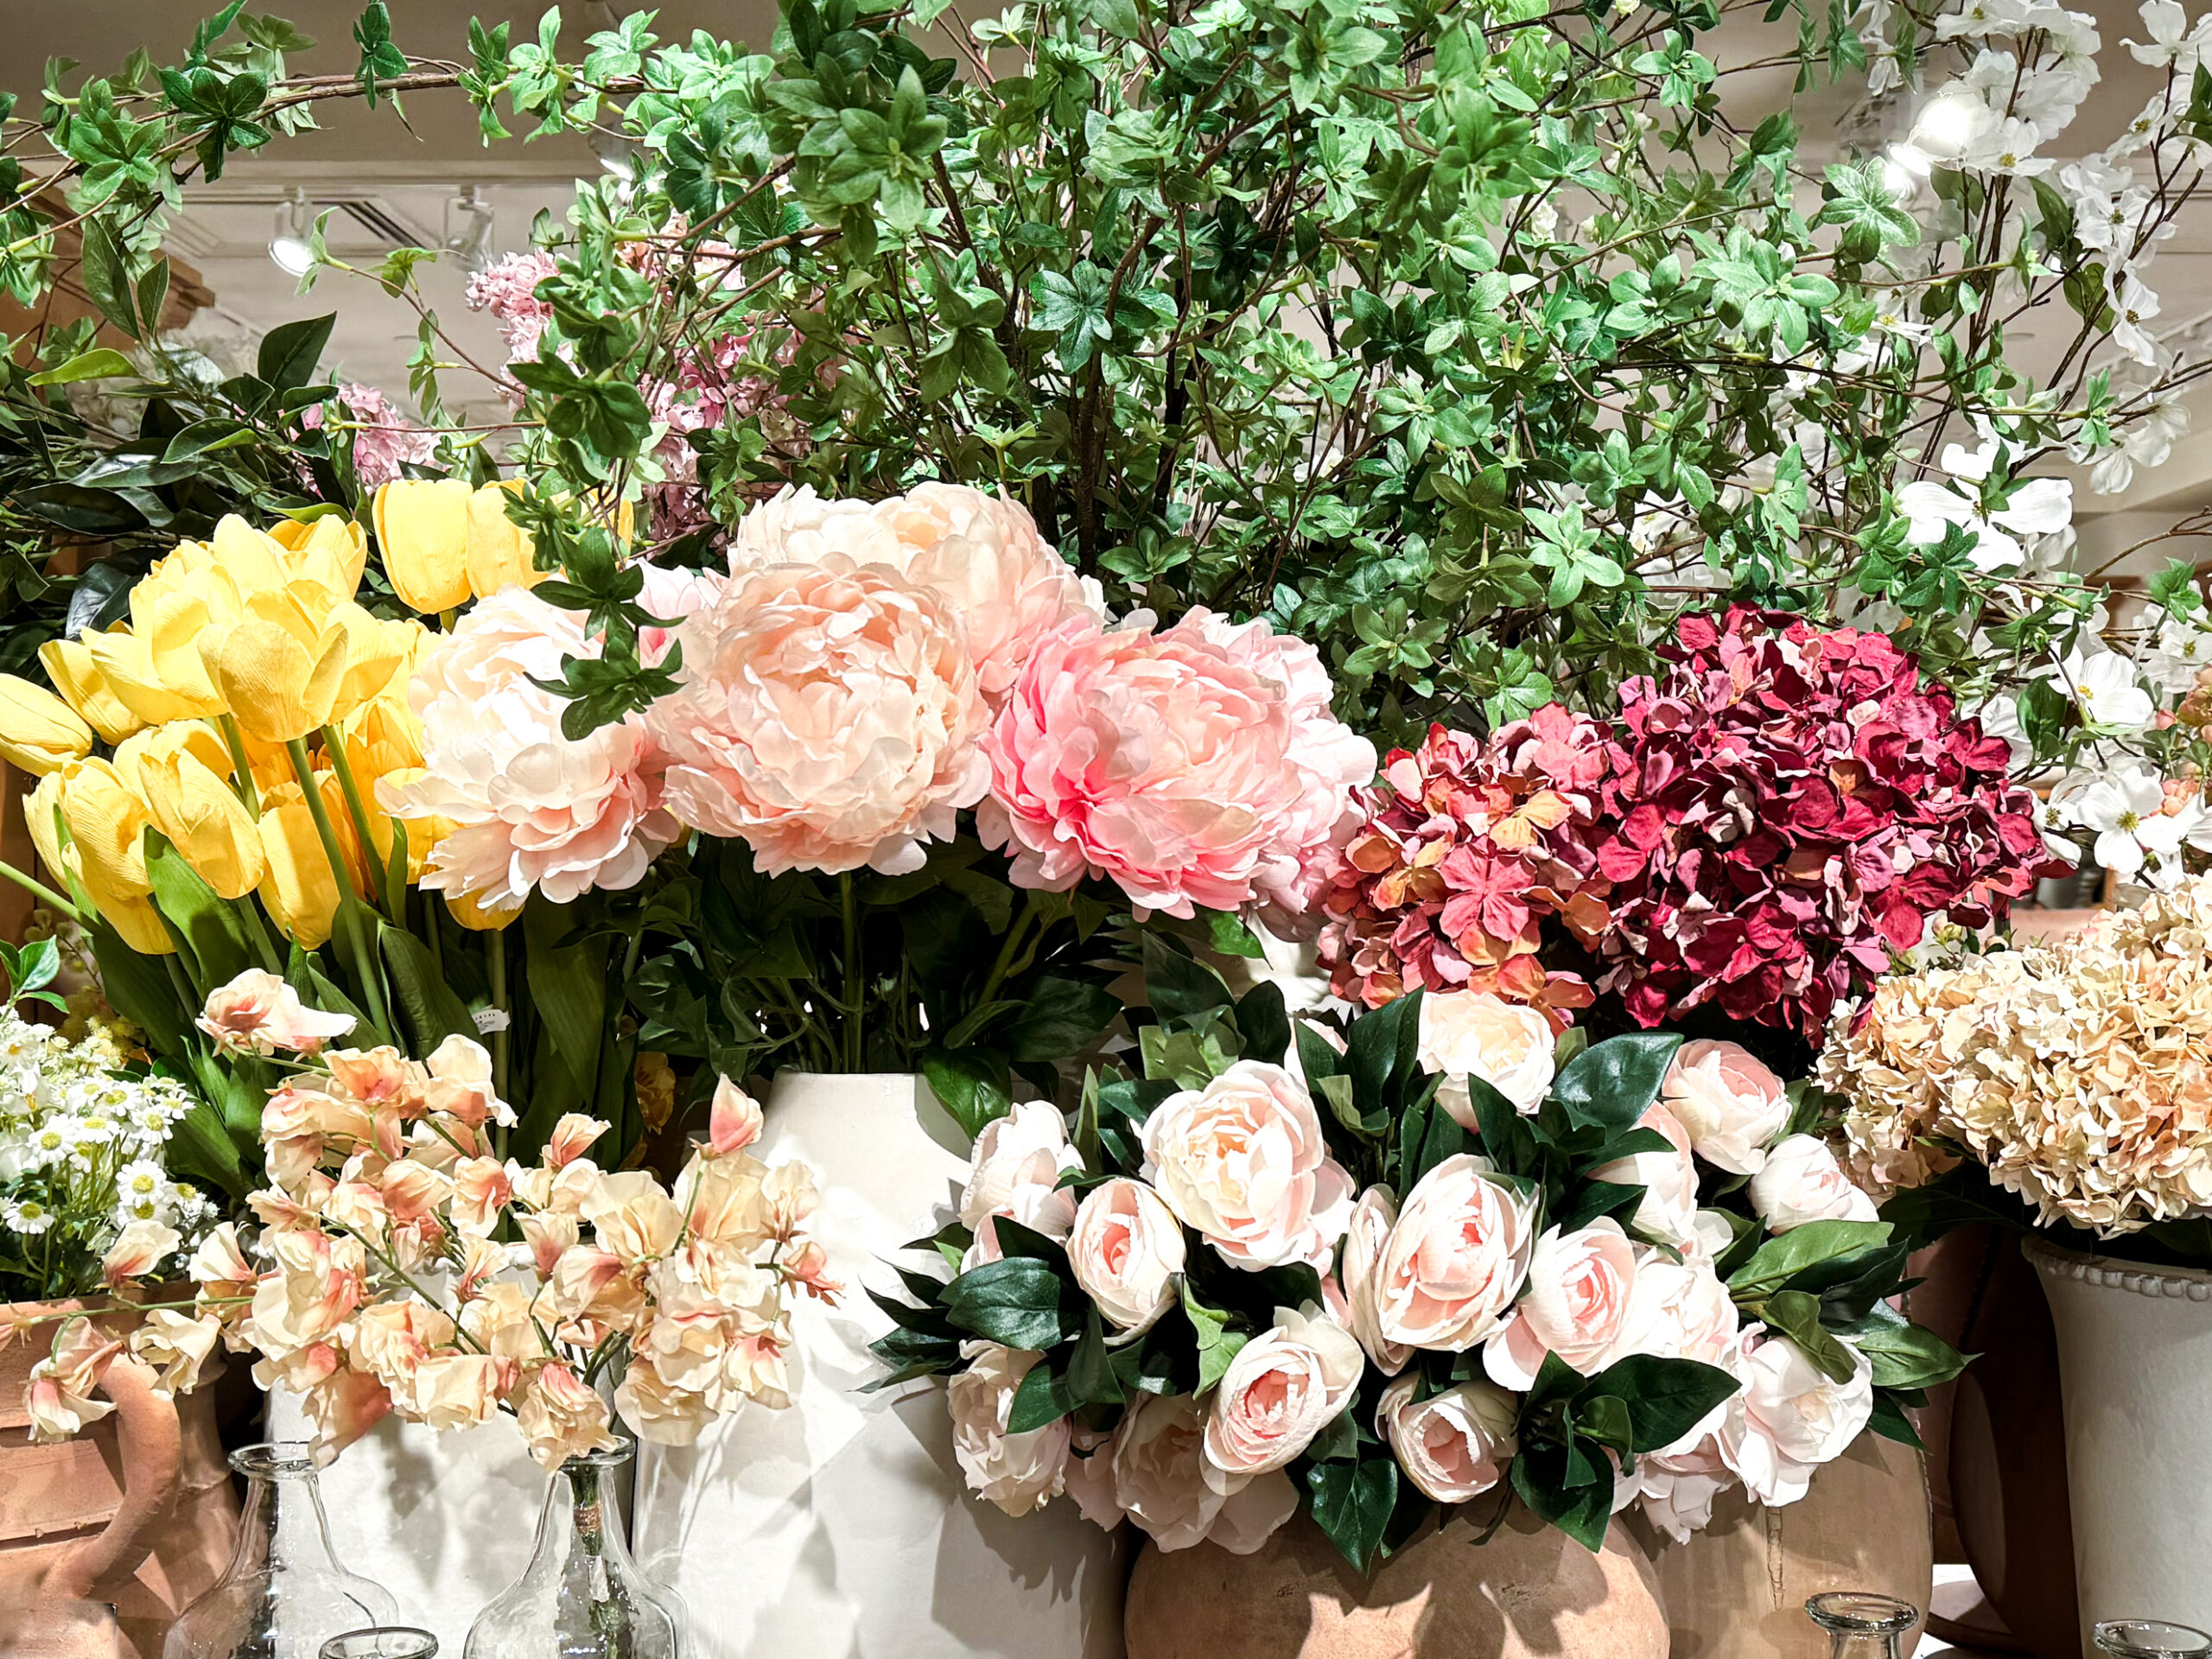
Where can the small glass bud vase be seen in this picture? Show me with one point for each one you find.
(581, 1597)
(284, 1594)
(2151, 1638)
(1862, 1624)
(383, 1642)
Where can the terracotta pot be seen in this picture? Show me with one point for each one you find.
(1531, 1591)
(105, 1538)
(2007, 1444)
(1737, 1589)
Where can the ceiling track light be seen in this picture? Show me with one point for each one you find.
(291, 245)
(468, 228)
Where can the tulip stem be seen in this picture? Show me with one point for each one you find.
(394, 900)
(241, 765)
(362, 950)
(855, 985)
(39, 890)
(271, 955)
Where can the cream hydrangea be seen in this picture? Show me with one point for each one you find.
(2075, 1068)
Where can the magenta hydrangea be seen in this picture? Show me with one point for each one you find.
(1793, 805)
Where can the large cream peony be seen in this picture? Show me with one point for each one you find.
(530, 807)
(828, 715)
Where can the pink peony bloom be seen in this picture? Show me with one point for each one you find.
(1196, 765)
(531, 807)
(259, 1013)
(828, 717)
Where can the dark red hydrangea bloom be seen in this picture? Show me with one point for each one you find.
(1791, 805)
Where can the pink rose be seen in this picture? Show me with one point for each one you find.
(1454, 1444)
(1790, 1417)
(259, 1013)
(1801, 1181)
(1668, 1209)
(1017, 1162)
(1283, 1389)
(1160, 1481)
(1242, 1160)
(827, 716)
(532, 807)
(1018, 1472)
(1479, 1034)
(1126, 1249)
(1360, 1272)
(1193, 765)
(1728, 1101)
(1575, 1304)
(1456, 1258)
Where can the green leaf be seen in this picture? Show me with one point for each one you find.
(1217, 1343)
(1612, 1084)
(1042, 1399)
(568, 983)
(974, 1085)
(107, 276)
(1063, 1018)
(140, 990)
(1264, 1022)
(427, 1009)
(98, 363)
(1782, 1257)
(1547, 1477)
(1904, 1354)
(290, 351)
(1178, 985)
(1017, 1300)
(214, 940)
(1090, 1378)
(1797, 1316)
(1352, 1503)
(1666, 1398)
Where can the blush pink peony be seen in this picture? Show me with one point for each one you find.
(827, 716)
(530, 807)
(1194, 766)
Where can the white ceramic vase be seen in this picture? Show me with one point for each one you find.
(445, 1521)
(2135, 1375)
(841, 1528)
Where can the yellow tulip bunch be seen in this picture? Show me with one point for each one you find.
(251, 703)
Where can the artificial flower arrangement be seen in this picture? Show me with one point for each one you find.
(1440, 1254)
(2060, 1084)
(1771, 815)
(399, 1265)
(87, 1197)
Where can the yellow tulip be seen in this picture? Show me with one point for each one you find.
(157, 743)
(330, 551)
(126, 662)
(252, 558)
(132, 916)
(374, 653)
(500, 552)
(179, 622)
(475, 917)
(40, 807)
(69, 664)
(423, 527)
(190, 804)
(107, 826)
(382, 736)
(298, 887)
(38, 731)
(276, 668)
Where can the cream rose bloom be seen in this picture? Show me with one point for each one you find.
(1668, 1209)
(1242, 1160)
(1015, 1172)
(1728, 1101)
(1789, 1418)
(1359, 1275)
(1677, 1487)
(1456, 1258)
(1160, 1481)
(1017, 1472)
(1454, 1444)
(1468, 1034)
(828, 715)
(1679, 1310)
(1126, 1248)
(1575, 1303)
(1802, 1181)
(1283, 1389)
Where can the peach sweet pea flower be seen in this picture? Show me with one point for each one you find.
(59, 1400)
(1456, 1258)
(571, 1138)
(343, 1406)
(258, 1013)
(632, 1217)
(1575, 1303)
(561, 1417)
(457, 1390)
(735, 1121)
(1243, 1161)
(827, 716)
(175, 1347)
(1195, 766)
(657, 1412)
(1455, 1445)
(138, 1250)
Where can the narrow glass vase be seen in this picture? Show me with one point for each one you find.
(284, 1594)
(1862, 1624)
(581, 1597)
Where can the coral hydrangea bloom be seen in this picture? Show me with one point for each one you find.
(828, 716)
(1194, 766)
(530, 807)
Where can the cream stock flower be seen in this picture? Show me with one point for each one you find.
(828, 716)
(1455, 1445)
(531, 808)
(1456, 1258)
(1017, 1472)
(1243, 1161)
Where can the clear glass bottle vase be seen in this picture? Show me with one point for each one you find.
(1861, 1624)
(284, 1594)
(581, 1597)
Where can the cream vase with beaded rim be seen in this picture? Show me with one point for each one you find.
(2135, 1374)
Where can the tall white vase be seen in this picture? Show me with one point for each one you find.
(2135, 1375)
(841, 1528)
(443, 1520)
